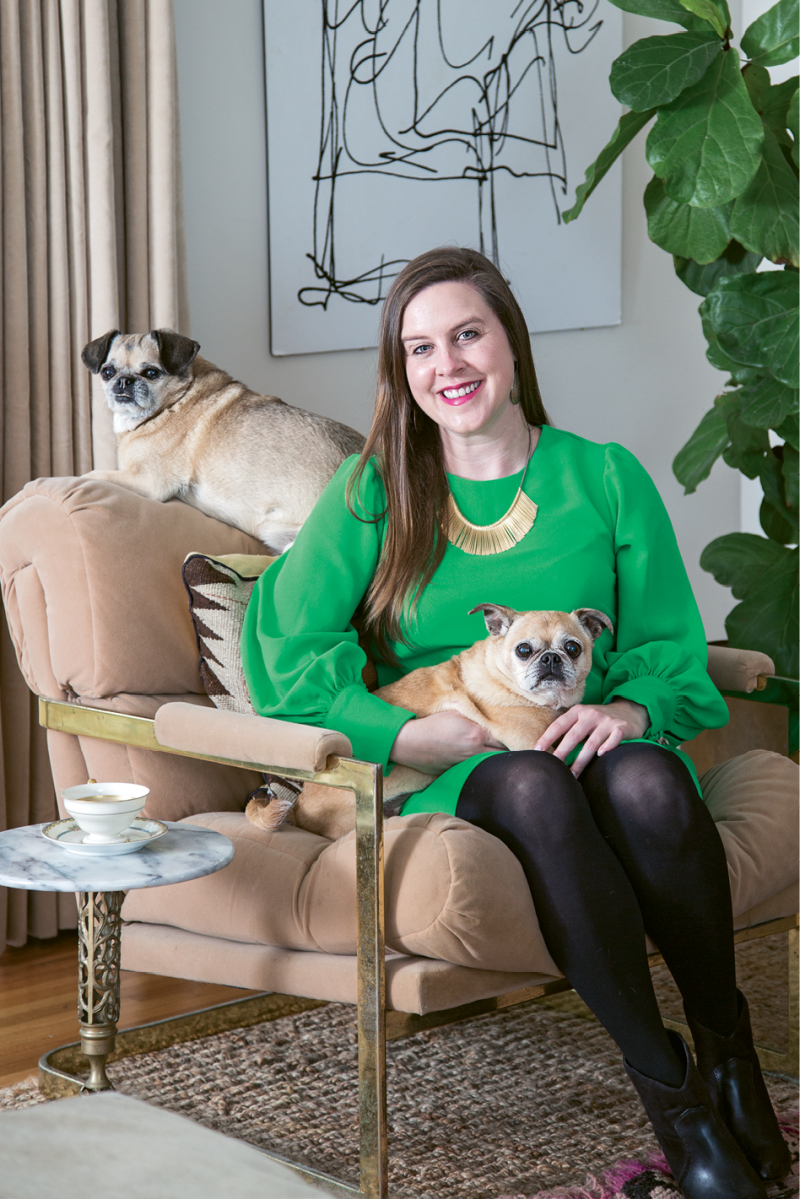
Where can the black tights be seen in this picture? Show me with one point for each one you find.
(627, 846)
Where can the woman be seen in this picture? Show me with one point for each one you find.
(609, 827)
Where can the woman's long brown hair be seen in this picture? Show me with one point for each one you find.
(407, 446)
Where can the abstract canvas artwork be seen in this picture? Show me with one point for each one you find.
(398, 125)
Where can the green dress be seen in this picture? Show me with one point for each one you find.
(602, 539)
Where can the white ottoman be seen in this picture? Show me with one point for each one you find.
(110, 1144)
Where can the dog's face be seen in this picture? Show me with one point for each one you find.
(544, 656)
(141, 372)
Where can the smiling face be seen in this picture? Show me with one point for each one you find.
(459, 364)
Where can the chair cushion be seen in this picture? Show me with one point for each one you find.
(453, 892)
(753, 800)
(413, 984)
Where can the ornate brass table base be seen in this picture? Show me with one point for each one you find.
(99, 926)
(99, 882)
(61, 1069)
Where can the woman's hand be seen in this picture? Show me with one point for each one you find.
(433, 744)
(600, 726)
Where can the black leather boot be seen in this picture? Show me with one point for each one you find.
(729, 1067)
(705, 1160)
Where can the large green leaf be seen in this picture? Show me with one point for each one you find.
(698, 233)
(775, 523)
(755, 319)
(773, 37)
(789, 430)
(655, 70)
(792, 123)
(706, 145)
(767, 403)
(694, 461)
(782, 523)
(717, 15)
(775, 102)
(663, 10)
(791, 459)
(748, 446)
(757, 82)
(737, 560)
(735, 260)
(767, 619)
(740, 374)
(629, 125)
(770, 101)
(719, 359)
(765, 216)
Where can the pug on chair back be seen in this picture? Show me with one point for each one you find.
(186, 429)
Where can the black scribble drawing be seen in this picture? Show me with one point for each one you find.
(435, 91)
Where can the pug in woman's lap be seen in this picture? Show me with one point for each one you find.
(513, 684)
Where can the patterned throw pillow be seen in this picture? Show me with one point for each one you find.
(219, 590)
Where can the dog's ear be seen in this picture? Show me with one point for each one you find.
(95, 353)
(175, 351)
(498, 619)
(593, 621)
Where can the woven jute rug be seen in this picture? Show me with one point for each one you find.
(530, 1103)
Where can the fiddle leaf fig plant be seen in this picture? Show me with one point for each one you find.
(723, 201)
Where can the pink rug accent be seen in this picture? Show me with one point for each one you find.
(651, 1179)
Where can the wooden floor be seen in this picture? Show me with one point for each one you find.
(39, 1001)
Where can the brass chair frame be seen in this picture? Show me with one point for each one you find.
(376, 1023)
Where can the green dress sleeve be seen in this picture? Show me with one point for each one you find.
(300, 652)
(661, 656)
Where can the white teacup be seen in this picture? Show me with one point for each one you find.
(104, 811)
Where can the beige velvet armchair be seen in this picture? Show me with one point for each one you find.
(419, 921)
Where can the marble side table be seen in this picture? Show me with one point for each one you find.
(31, 862)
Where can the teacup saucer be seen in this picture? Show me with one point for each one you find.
(67, 834)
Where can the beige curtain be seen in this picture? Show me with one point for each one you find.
(91, 239)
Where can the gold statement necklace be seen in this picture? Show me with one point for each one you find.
(503, 533)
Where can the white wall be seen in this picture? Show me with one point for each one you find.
(644, 383)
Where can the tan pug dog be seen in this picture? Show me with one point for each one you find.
(514, 683)
(185, 428)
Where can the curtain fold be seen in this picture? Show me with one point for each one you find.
(91, 239)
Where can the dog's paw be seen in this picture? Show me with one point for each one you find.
(267, 812)
(273, 803)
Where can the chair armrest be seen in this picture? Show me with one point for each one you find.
(244, 738)
(738, 669)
